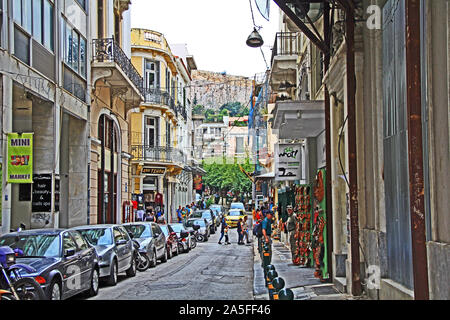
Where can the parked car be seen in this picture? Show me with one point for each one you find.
(209, 216)
(114, 248)
(204, 225)
(219, 211)
(233, 216)
(171, 240)
(184, 243)
(151, 238)
(65, 263)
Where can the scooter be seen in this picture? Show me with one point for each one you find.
(141, 259)
(12, 285)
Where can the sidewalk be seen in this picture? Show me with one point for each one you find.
(300, 280)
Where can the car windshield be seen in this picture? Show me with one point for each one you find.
(237, 206)
(139, 230)
(206, 215)
(197, 214)
(199, 222)
(177, 228)
(42, 245)
(97, 237)
(165, 230)
(235, 213)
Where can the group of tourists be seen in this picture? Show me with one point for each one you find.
(184, 212)
(150, 214)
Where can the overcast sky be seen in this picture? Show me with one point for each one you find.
(215, 31)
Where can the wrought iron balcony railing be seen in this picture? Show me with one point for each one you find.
(158, 96)
(158, 154)
(108, 50)
(286, 43)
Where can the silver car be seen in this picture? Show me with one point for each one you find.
(114, 248)
(151, 239)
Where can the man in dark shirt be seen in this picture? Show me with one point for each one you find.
(239, 230)
(267, 232)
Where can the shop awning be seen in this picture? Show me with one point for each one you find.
(298, 119)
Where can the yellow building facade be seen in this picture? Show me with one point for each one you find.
(158, 156)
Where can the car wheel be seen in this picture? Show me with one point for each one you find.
(93, 290)
(55, 290)
(131, 272)
(164, 257)
(153, 261)
(112, 278)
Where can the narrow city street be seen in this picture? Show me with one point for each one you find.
(208, 272)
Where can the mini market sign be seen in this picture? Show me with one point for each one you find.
(20, 158)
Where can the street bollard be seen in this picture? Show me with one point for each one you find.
(286, 294)
(266, 255)
(272, 274)
(278, 284)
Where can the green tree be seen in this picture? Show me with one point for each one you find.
(198, 109)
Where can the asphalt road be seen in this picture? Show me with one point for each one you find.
(209, 272)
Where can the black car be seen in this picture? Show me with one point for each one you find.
(65, 263)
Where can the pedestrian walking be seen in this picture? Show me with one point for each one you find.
(224, 226)
(227, 239)
(291, 227)
(245, 230)
(240, 233)
(266, 235)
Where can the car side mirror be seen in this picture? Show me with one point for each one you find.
(69, 253)
(121, 242)
(131, 235)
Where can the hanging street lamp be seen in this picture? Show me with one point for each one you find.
(255, 40)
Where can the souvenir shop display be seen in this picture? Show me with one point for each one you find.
(319, 241)
(302, 211)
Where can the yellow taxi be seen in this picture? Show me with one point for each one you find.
(233, 216)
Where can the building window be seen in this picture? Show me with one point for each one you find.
(152, 77)
(37, 18)
(151, 132)
(75, 62)
(239, 145)
(74, 49)
(82, 3)
(168, 134)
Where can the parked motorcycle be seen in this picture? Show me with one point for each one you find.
(142, 260)
(12, 285)
(197, 236)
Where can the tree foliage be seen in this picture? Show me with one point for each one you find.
(228, 177)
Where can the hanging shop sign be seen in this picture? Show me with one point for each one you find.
(198, 183)
(42, 193)
(20, 158)
(154, 171)
(288, 158)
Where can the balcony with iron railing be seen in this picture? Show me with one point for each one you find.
(166, 155)
(107, 53)
(285, 53)
(286, 44)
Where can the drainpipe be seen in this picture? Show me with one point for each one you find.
(415, 150)
(329, 202)
(352, 153)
